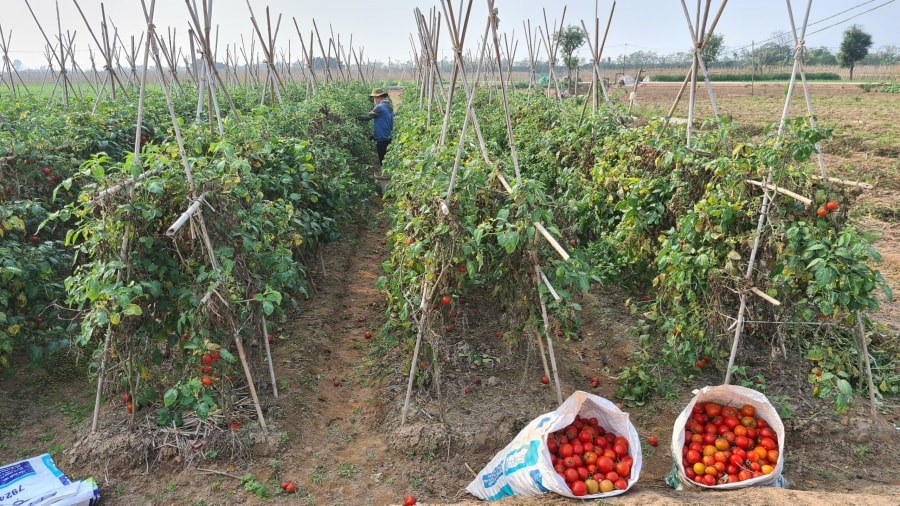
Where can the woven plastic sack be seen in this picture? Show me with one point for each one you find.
(736, 396)
(523, 467)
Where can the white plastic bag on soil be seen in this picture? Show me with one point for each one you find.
(523, 467)
(727, 395)
(38, 482)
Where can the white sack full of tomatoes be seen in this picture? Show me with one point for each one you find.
(727, 437)
(540, 456)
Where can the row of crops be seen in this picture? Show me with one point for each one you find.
(673, 226)
(276, 184)
(634, 207)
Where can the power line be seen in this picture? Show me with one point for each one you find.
(823, 20)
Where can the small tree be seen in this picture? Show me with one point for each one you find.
(854, 47)
(712, 49)
(570, 39)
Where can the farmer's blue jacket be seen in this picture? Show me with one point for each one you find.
(383, 114)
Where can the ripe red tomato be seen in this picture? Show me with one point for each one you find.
(215, 355)
(571, 475)
(712, 409)
(367, 335)
(729, 411)
(605, 464)
(589, 458)
(565, 450)
(409, 501)
(236, 426)
(545, 380)
(621, 484)
(129, 407)
(126, 397)
(578, 488)
(822, 212)
(623, 468)
(595, 382)
(831, 205)
(446, 300)
(206, 380)
(47, 171)
(748, 410)
(653, 440)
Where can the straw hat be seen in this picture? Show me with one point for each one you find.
(378, 92)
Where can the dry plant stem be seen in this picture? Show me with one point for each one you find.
(221, 473)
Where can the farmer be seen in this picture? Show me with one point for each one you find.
(383, 114)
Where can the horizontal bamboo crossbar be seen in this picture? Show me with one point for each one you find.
(763, 295)
(799, 198)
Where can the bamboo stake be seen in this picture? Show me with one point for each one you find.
(550, 239)
(763, 295)
(547, 334)
(415, 357)
(799, 198)
(864, 351)
(494, 22)
(845, 182)
(265, 330)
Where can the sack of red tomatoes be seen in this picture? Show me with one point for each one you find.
(586, 448)
(727, 437)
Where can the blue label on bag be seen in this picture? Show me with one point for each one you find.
(15, 472)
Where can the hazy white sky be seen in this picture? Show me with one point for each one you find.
(383, 28)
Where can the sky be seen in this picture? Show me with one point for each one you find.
(382, 29)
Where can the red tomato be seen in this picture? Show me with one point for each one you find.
(571, 475)
(693, 456)
(768, 443)
(589, 458)
(653, 440)
(552, 446)
(621, 484)
(578, 488)
(206, 359)
(569, 462)
(565, 450)
(748, 410)
(712, 409)
(582, 473)
(728, 411)
(409, 501)
(623, 469)
(605, 464)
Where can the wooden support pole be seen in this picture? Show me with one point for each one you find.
(559, 249)
(768, 186)
(864, 351)
(265, 330)
(763, 295)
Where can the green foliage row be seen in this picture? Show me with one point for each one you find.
(277, 183)
(635, 207)
(741, 77)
